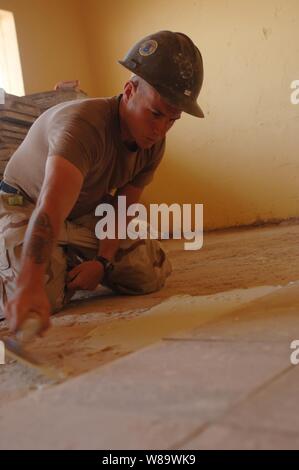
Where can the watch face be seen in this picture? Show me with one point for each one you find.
(106, 264)
(109, 267)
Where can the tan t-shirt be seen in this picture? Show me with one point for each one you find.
(87, 133)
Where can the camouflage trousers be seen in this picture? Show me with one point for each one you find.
(140, 266)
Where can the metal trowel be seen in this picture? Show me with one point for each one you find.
(16, 347)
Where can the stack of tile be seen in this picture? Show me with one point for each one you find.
(17, 114)
(48, 99)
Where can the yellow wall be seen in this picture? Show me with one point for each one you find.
(241, 161)
(52, 41)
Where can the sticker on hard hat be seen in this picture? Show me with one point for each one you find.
(148, 47)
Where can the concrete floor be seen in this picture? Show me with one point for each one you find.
(202, 364)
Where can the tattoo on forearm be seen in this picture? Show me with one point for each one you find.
(41, 239)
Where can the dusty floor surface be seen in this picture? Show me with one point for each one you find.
(204, 285)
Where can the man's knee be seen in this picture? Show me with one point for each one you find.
(10, 260)
(140, 267)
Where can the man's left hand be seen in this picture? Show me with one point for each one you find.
(85, 276)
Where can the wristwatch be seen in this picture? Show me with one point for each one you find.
(108, 266)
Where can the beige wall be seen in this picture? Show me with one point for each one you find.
(52, 41)
(242, 160)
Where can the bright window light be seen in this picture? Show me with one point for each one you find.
(11, 78)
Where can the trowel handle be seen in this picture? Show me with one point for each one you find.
(30, 328)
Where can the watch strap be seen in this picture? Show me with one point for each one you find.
(105, 262)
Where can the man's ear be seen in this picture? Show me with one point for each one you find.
(129, 90)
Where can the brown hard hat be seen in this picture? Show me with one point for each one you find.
(172, 64)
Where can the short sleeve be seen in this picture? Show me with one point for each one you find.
(71, 137)
(146, 175)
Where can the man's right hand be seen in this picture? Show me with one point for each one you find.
(25, 301)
